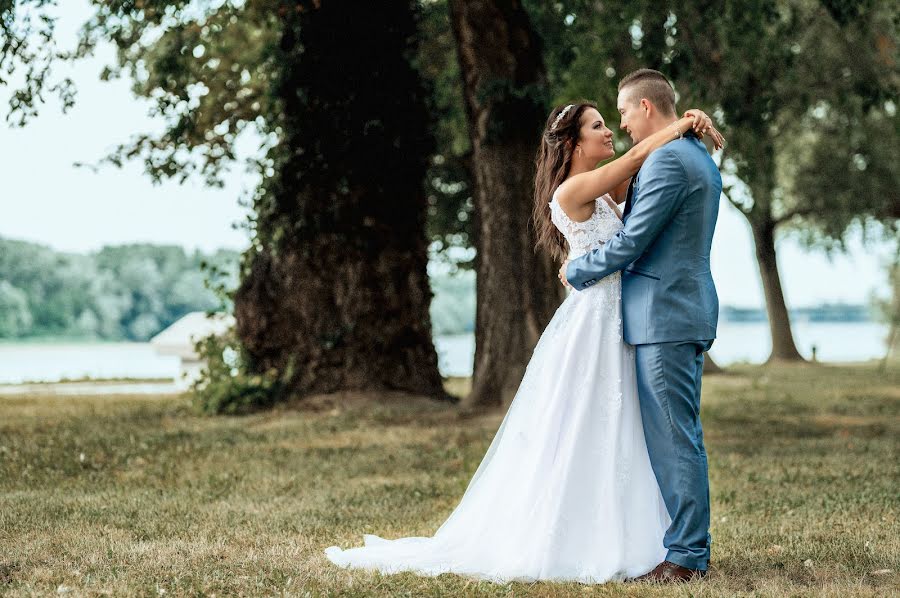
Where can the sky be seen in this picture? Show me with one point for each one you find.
(46, 199)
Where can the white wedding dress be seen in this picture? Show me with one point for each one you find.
(565, 491)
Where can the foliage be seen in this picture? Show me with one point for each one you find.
(133, 291)
(126, 292)
(225, 384)
(813, 104)
(210, 69)
(344, 139)
(15, 317)
(451, 210)
(27, 48)
(789, 77)
(805, 92)
(205, 66)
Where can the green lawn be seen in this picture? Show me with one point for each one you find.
(140, 496)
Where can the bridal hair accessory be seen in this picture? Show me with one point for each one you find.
(560, 116)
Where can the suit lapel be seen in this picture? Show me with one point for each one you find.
(629, 196)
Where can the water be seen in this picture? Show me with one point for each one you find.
(737, 342)
(46, 362)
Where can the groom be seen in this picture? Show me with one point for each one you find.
(670, 309)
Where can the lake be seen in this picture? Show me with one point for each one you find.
(737, 342)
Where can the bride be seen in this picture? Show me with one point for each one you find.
(565, 491)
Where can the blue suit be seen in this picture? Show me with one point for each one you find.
(670, 311)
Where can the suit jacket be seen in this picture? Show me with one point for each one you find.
(668, 292)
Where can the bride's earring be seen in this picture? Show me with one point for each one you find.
(579, 151)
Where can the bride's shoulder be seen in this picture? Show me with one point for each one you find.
(555, 195)
(564, 200)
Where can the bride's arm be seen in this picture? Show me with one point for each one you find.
(619, 193)
(586, 187)
(614, 177)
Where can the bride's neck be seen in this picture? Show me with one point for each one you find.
(580, 167)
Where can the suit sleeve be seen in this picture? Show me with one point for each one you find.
(662, 189)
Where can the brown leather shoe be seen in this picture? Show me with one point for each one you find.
(667, 572)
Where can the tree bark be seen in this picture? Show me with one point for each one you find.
(504, 85)
(783, 346)
(335, 294)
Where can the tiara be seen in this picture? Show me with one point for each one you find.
(560, 116)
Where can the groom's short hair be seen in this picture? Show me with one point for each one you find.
(653, 85)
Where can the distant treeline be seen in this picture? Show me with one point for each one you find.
(131, 292)
(453, 308)
(127, 292)
(827, 312)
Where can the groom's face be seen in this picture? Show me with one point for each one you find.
(633, 118)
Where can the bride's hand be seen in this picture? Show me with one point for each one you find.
(703, 126)
(717, 139)
(562, 274)
(702, 121)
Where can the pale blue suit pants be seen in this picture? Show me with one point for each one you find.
(668, 377)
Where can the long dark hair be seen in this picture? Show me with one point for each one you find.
(554, 159)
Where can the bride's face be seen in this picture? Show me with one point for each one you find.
(596, 138)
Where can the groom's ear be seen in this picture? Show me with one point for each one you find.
(647, 107)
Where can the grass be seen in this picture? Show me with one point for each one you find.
(140, 496)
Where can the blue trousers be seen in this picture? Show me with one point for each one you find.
(668, 378)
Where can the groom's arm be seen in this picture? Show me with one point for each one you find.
(663, 187)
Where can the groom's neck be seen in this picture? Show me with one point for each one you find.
(660, 122)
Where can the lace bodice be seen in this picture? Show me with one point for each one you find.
(590, 234)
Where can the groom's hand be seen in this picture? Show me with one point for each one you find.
(562, 274)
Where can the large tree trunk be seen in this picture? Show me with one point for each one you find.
(335, 293)
(517, 290)
(783, 346)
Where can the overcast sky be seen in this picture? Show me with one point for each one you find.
(47, 200)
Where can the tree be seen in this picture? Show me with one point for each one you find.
(889, 311)
(785, 77)
(505, 92)
(776, 96)
(15, 317)
(103, 294)
(450, 222)
(333, 291)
